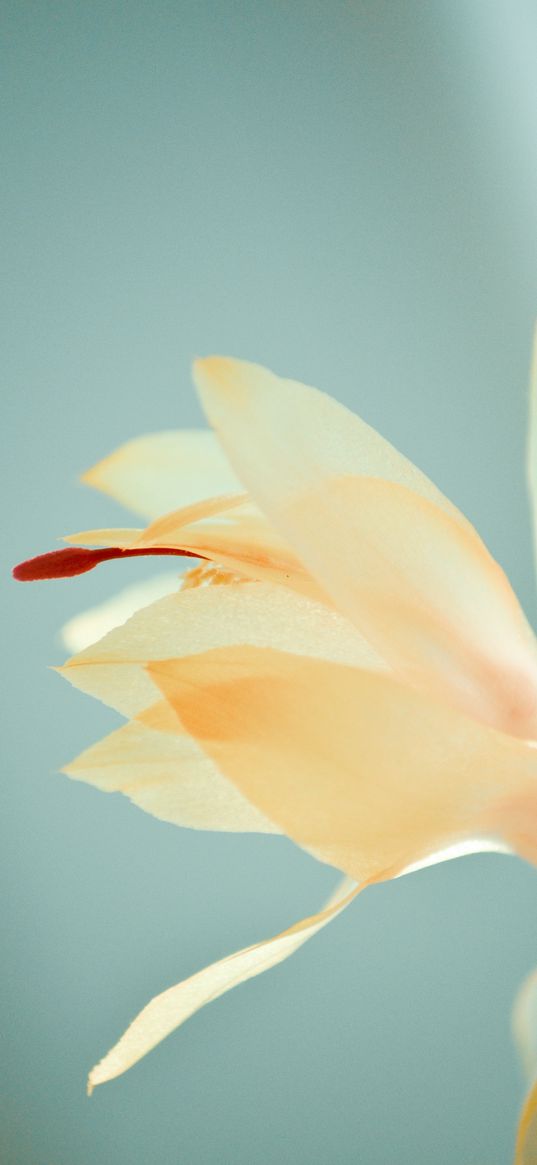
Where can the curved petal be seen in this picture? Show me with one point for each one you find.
(160, 472)
(426, 592)
(240, 539)
(367, 774)
(223, 506)
(285, 435)
(170, 777)
(121, 536)
(394, 556)
(170, 1009)
(113, 670)
(246, 543)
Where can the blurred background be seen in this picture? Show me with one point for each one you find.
(347, 192)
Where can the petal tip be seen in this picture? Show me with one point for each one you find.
(92, 476)
(220, 374)
(99, 1075)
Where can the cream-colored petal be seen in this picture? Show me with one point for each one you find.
(239, 538)
(532, 443)
(365, 773)
(160, 472)
(122, 536)
(160, 717)
(87, 628)
(426, 592)
(223, 506)
(245, 543)
(525, 1033)
(394, 556)
(170, 777)
(113, 670)
(459, 849)
(284, 435)
(170, 1009)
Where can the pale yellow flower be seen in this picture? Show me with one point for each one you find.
(363, 679)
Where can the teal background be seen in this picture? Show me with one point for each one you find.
(346, 192)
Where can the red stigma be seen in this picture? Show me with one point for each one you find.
(71, 560)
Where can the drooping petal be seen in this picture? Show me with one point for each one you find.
(170, 1009)
(392, 553)
(113, 670)
(160, 472)
(525, 1033)
(90, 626)
(170, 777)
(366, 773)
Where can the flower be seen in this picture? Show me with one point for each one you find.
(350, 666)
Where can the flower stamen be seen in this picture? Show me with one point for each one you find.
(72, 560)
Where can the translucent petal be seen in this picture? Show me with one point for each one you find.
(223, 506)
(246, 543)
(284, 431)
(160, 472)
(240, 538)
(105, 536)
(392, 553)
(366, 773)
(170, 1009)
(113, 670)
(83, 630)
(168, 776)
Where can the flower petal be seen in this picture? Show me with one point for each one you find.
(83, 630)
(222, 506)
(170, 1009)
(157, 473)
(392, 553)
(170, 777)
(240, 538)
(367, 774)
(285, 435)
(122, 536)
(246, 543)
(113, 670)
